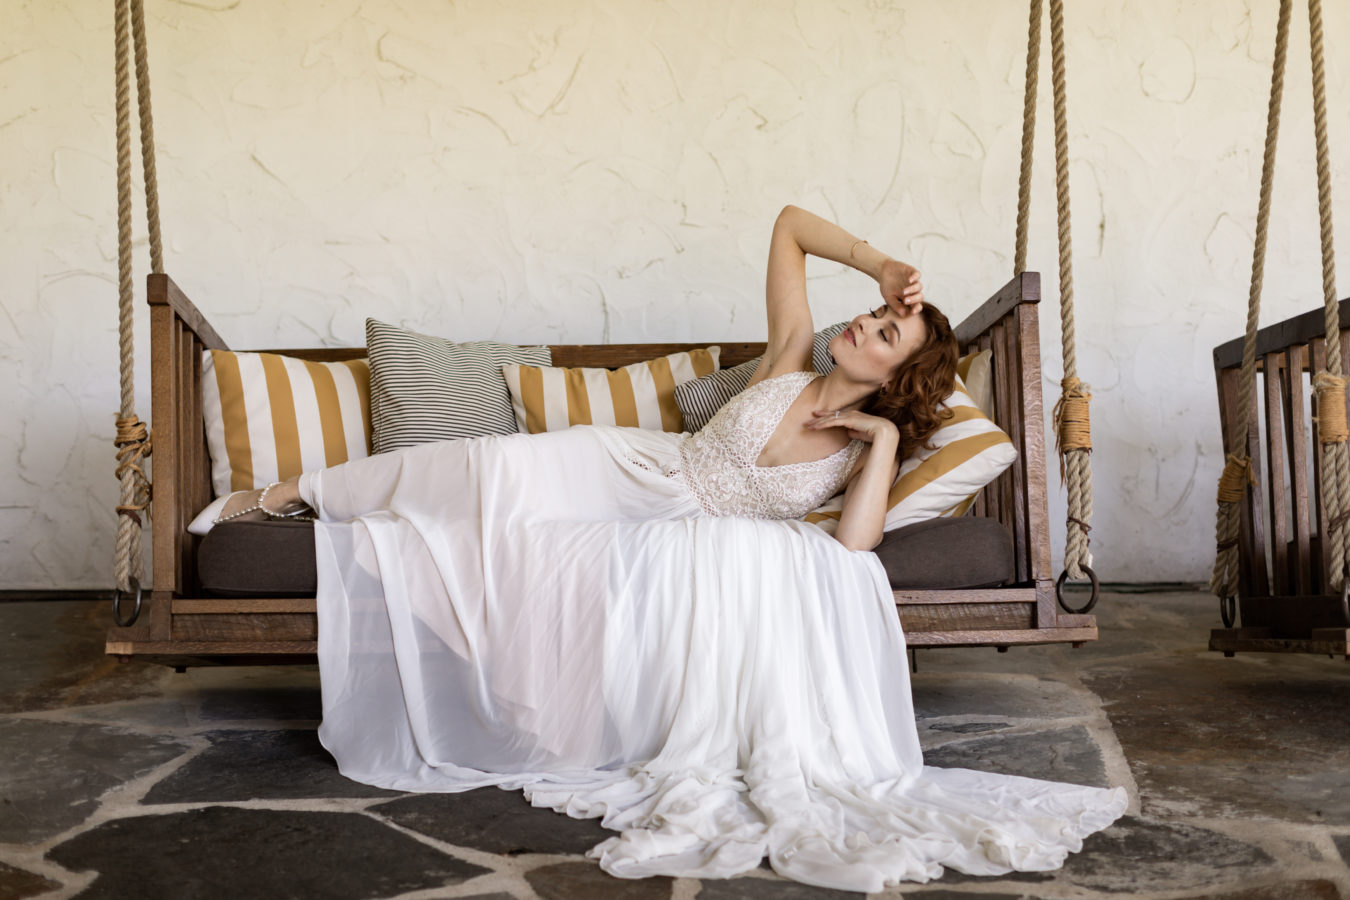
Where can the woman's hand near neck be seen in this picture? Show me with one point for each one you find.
(837, 391)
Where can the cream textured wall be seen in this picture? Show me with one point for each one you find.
(609, 170)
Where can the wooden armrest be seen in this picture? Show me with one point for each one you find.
(1281, 336)
(161, 291)
(1024, 288)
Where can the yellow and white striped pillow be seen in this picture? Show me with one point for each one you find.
(551, 398)
(969, 451)
(269, 417)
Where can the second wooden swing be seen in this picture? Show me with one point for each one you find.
(1282, 565)
(180, 623)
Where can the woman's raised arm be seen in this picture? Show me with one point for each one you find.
(797, 233)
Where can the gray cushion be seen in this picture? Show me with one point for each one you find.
(276, 559)
(258, 559)
(961, 552)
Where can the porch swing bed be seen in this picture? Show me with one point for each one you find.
(244, 593)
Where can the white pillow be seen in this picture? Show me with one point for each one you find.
(968, 452)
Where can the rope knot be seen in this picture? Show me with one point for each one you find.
(1331, 426)
(133, 445)
(1072, 420)
(1237, 474)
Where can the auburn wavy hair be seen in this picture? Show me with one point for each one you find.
(913, 399)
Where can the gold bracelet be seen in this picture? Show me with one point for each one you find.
(854, 246)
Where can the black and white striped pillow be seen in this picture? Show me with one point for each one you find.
(425, 388)
(701, 398)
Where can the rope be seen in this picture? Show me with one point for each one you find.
(1075, 446)
(132, 440)
(1331, 393)
(1028, 137)
(1223, 580)
(1331, 427)
(1237, 474)
(147, 136)
(1073, 430)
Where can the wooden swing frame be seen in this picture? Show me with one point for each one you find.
(178, 626)
(1280, 569)
(1284, 602)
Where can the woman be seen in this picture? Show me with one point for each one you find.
(635, 625)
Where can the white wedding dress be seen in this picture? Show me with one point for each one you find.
(632, 625)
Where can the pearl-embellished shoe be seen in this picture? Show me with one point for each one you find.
(298, 512)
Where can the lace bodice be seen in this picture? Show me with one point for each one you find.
(718, 463)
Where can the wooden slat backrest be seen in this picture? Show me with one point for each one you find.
(1275, 468)
(1295, 426)
(1283, 516)
(1006, 324)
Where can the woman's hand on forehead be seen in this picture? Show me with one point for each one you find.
(901, 287)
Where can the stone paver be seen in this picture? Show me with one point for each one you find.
(259, 765)
(571, 881)
(1021, 697)
(1136, 855)
(1241, 767)
(1058, 754)
(1314, 889)
(494, 821)
(253, 853)
(57, 659)
(1248, 736)
(18, 884)
(769, 889)
(52, 774)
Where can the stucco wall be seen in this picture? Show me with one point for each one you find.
(596, 171)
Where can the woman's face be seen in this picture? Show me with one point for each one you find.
(876, 343)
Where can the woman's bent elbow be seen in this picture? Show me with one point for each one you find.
(859, 542)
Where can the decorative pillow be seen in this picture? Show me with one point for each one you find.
(641, 395)
(269, 417)
(973, 370)
(701, 398)
(425, 388)
(969, 451)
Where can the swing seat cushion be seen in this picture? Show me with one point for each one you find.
(276, 559)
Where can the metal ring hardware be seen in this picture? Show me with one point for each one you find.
(117, 605)
(1092, 601)
(1228, 610)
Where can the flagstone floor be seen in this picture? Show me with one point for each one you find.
(132, 781)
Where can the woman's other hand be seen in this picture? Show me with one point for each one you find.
(860, 425)
(901, 287)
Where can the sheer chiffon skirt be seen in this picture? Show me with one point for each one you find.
(555, 613)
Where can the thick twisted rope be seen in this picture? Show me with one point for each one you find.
(147, 135)
(1237, 473)
(132, 439)
(1072, 429)
(1028, 137)
(1331, 386)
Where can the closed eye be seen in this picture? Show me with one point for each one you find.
(893, 334)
